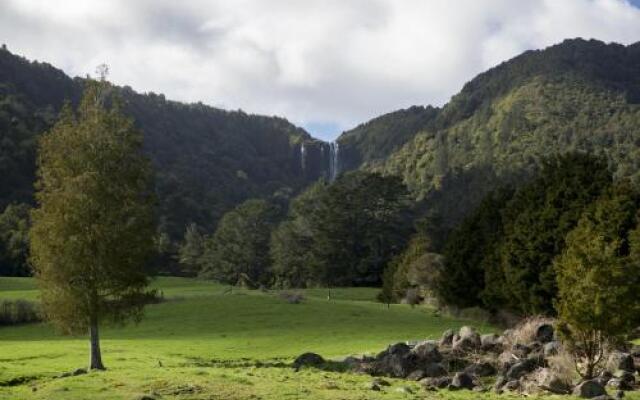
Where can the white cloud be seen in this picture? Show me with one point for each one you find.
(316, 62)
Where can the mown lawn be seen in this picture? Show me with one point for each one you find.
(206, 343)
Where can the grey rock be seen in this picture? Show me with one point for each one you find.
(467, 340)
(481, 369)
(604, 378)
(519, 369)
(623, 380)
(308, 360)
(436, 382)
(427, 352)
(589, 390)
(520, 350)
(461, 380)
(398, 348)
(434, 370)
(491, 343)
(447, 338)
(416, 375)
(622, 361)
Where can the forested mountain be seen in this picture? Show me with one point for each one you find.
(206, 160)
(577, 95)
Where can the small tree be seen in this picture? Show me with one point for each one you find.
(598, 277)
(93, 228)
(191, 249)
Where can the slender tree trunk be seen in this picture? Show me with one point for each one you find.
(95, 361)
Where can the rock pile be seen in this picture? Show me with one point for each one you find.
(508, 362)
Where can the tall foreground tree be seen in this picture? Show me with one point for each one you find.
(598, 277)
(93, 227)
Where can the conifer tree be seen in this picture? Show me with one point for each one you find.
(93, 227)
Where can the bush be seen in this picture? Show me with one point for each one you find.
(13, 312)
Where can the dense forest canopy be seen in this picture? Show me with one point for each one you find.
(206, 160)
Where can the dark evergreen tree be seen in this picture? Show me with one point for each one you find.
(536, 222)
(462, 280)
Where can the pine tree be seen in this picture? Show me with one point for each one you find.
(93, 227)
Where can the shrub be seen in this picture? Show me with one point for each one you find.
(13, 312)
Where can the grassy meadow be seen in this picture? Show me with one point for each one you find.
(206, 343)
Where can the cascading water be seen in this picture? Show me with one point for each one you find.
(334, 167)
(302, 157)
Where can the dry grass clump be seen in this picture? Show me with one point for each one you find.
(525, 331)
(563, 365)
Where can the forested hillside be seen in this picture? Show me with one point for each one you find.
(578, 95)
(206, 160)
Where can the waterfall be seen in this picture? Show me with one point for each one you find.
(334, 166)
(302, 157)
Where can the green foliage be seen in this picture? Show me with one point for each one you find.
(191, 249)
(295, 262)
(206, 160)
(344, 233)
(468, 252)
(14, 240)
(18, 311)
(238, 251)
(575, 96)
(598, 276)
(92, 230)
(536, 222)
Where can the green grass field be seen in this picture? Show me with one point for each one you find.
(205, 343)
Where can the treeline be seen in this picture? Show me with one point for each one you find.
(509, 252)
(333, 234)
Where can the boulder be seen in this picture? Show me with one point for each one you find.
(427, 352)
(622, 380)
(589, 390)
(436, 382)
(416, 375)
(622, 361)
(462, 380)
(604, 378)
(434, 370)
(467, 340)
(481, 369)
(491, 343)
(520, 350)
(397, 364)
(308, 360)
(398, 348)
(551, 382)
(519, 369)
(544, 333)
(447, 338)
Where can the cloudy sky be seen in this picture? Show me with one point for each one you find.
(326, 65)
